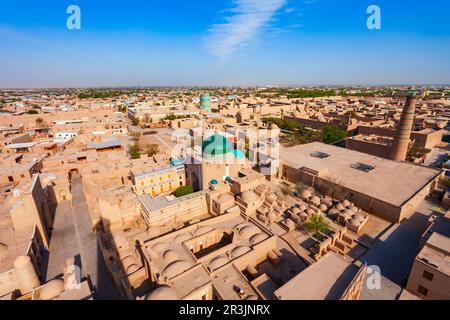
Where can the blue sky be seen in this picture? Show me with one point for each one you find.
(223, 42)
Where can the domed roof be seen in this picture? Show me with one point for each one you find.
(182, 237)
(273, 126)
(249, 196)
(306, 194)
(3, 250)
(323, 207)
(355, 222)
(359, 217)
(257, 238)
(302, 207)
(158, 247)
(252, 297)
(162, 293)
(248, 231)
(175, 268)
(132, 268)
(239, 251)
(333, 211)
(216, 145)
(217, 262)
(353, 208)
(202, 230)
(340, 206)
(271, 215)
(315, 200)
(346, 203)
(129, 260)
(349, 213)
(225, 197)
(295, 210)
(310, 211)
(170, 256)
(52, 289)
(290, 223)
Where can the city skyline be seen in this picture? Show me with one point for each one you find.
(224, 43)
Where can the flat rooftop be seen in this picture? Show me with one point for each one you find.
(327, 279)
(160, 202)
(436, 253)
(393, 182)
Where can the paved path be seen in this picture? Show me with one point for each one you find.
(84, 230)
(74, 236)
(63, 243)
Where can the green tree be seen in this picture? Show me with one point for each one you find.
(41, 122)
(317, 224)
(135, 152)
(445, 182)
(416, 151)
(170, 117)
(151, 149)
(332, 134)
(32, 111)
(183, 191)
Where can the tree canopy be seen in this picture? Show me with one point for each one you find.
(183, 191)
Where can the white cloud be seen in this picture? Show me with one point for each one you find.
(243, 23)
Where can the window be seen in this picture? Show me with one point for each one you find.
(10, 179)
(362, 167)
(321, 155)
(422, 290)
(428, 275)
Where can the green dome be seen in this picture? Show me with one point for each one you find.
(216, 145)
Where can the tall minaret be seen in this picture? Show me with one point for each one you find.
(399, 147)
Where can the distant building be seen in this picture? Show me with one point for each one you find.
(205, 102)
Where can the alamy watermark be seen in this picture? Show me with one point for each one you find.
(373, 279)
(374, 20)
(73, 22)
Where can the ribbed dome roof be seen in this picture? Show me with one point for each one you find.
(226, 197)
(170, 256)
(248, 231)
(216, 145)
(239, 251)
(249, 196)
(162, 293)
(175, 268)
(218, 262)
(257, 238)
